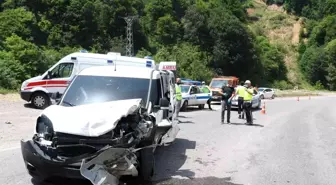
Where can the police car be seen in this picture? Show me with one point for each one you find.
(193, 96)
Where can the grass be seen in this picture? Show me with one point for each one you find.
(7, 91)
(296, 93)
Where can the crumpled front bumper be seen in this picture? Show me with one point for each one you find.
(42, 166)
(109, 164)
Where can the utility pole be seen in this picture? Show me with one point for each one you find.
(129, 34)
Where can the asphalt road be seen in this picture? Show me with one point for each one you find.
(294, 143)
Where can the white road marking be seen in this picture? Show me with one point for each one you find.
(8, 149)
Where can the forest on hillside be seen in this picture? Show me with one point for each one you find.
(317, 49)
(205, 37)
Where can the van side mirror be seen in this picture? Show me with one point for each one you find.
(167, 94)
(164, 103)
(49, 75)
(55, 96)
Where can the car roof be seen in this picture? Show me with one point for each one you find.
(120, 71)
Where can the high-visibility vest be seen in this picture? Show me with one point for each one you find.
(248, 95)
(204, 89)
(241, 91)
(178, 92)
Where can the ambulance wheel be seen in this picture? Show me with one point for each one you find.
(201, 106)
(40, 100)
(184, 106)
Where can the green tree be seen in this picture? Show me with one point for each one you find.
(324, 32)
(191, 62)
(330, 51)
(15, 21)
(313, 64)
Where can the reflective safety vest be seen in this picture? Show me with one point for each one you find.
(241, 91)
(178, 92)
(248, 95)
(204, 89)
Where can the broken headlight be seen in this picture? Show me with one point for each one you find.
(44, 128)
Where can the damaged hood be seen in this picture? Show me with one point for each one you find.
(90, 120)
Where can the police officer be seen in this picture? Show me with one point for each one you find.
(205, 89)
(178, 98)
(227, 93)
(241, 92)
(247, 105)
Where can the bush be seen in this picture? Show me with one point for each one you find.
(318, 86)
(282, 85)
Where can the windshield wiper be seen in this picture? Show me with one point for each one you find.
(70, 104)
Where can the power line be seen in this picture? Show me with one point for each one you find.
(129, 34)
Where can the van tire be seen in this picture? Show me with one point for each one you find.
(40, 100)
(147, 164)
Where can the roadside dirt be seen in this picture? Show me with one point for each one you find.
(17, 121)
(296, 32)
(275, 7)
(10, 97)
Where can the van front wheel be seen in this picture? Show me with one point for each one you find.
(40, 100)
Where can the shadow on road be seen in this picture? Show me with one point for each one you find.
(186, 122)
(198, 181)
(28, 105)
(61, 181)
(192, 109)
(171, 158)
(253, 125)
(183, 116)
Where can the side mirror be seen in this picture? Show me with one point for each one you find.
(49, 75)
(164, 103)
(55, 96)
(167, 95)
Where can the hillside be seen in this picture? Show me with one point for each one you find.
(283, 30)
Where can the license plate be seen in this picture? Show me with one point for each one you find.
(234, 103)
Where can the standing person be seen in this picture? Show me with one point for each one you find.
(227, 93)
(248, 95)
(241, 92)
(205, 89)
(178, 98)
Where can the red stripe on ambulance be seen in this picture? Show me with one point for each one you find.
(46, 86)
(48, 82)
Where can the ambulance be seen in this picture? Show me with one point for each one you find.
(38, 90)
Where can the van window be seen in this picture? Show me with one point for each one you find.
(98, 89)
(63, 70)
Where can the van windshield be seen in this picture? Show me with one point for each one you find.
(99, 89)
(218, 83)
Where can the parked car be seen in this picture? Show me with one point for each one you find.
(256, 100)
(266, 93)
(193, 96)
